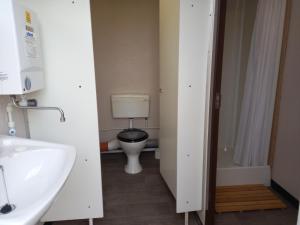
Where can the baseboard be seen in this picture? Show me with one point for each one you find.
(286, 195)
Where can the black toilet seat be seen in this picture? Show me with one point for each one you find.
(132, 135)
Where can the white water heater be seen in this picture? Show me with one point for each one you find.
(21, 65)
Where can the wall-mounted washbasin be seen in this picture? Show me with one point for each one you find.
(33, 173)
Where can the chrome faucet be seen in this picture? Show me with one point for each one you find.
(35, 107)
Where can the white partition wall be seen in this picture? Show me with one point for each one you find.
(169, 39)
(70, 84)
(186, 28)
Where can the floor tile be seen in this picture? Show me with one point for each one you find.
(141, 199)
(144, 199)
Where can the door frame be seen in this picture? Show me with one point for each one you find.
(214, 105)
(215, 101)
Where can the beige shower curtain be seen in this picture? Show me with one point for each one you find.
(255, 124)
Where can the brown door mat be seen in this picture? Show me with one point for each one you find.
(246, 198)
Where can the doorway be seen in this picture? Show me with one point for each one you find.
(226, 171)
(125, 37)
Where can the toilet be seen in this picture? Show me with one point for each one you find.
(132, 140)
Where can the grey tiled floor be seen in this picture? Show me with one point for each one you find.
(141, 199)
(144, 199)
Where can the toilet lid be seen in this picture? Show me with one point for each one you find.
(132, 135)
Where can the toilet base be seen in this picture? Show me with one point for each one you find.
(133, 165)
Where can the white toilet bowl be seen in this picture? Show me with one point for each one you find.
(132, 142)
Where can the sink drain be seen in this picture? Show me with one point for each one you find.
(7, 208)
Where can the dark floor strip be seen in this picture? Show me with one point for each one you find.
(197, 219)
(286, 195)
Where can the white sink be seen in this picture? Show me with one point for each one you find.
(35, 172)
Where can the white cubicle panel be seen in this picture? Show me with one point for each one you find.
(67, 45)
(186, 28)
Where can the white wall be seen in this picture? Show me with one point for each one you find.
(18, 117)
(66, 36)
(287, 155)
(169, 49)
(185, 38)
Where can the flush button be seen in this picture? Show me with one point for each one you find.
(27, 83)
